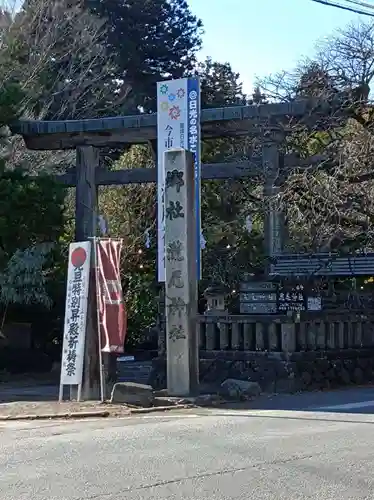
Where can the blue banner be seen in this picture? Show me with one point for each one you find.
(193, 145)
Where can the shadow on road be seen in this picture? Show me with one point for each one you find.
(349, 400)
(263, 415)
(36, 393)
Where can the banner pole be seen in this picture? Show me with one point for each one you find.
(102, 382)
(79, 393)
(61, 393)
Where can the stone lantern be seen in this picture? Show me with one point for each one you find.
(215, 296)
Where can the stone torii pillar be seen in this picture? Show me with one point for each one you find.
(182, 344)
(274, 220)
(273, 216)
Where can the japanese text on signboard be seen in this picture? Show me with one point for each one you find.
(74, 320)
(193, 118)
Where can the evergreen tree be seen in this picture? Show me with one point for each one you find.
(150, 40)
(258, 97)
(220, 85)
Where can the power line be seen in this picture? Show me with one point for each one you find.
(347, 7)
(361, 4)
(339, 5)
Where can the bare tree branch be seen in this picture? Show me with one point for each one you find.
(62, 62)
(332, 204)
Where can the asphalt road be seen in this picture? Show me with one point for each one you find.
(200, 455)
(360, 401)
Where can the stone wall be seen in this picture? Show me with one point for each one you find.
(280, 372)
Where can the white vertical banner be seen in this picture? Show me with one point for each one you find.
(75, 313)
(178, 126)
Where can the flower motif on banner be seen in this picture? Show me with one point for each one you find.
(164, 89)
(180, 93)
(172, 97)
(164, 106)
(175, 112)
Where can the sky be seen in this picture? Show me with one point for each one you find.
(259, 37)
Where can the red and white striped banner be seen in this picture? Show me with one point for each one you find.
(111, 308)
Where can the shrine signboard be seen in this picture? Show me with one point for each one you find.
(178, 126)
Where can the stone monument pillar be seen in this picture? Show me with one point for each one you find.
(182, 343)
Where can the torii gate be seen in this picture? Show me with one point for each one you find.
(89, 135)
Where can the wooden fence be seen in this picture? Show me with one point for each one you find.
(279, 333)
